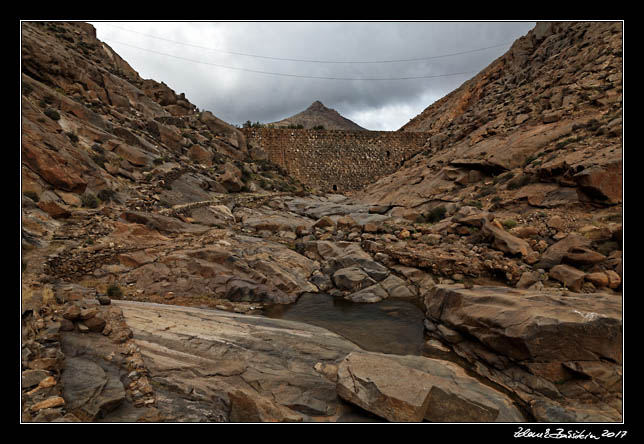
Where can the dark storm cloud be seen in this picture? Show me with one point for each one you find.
(237, 95)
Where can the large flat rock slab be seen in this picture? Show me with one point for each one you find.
(211, 365)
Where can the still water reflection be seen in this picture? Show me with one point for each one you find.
(390, 326)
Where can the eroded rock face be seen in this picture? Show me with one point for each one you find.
(532, 341)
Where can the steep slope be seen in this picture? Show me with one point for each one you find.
(542, 124)
(92, 127)
(318, 115)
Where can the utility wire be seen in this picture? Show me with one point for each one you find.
(285, 74)
(307, 60)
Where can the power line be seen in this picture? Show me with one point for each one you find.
(286, 74)
(308, 60)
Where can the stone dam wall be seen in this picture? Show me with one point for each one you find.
(334, 160)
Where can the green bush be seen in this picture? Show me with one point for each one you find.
(519, 181)
(90, 201)
(106, 195)
(73, 137)
(52, 114)
(473, 203)
(436, 214)
(32, 195)
(114, 291)
(510, 223)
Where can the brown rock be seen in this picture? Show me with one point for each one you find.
(602, 183)
(87, 313)
(556, 222)
(370, 227)
(132, 154)
(582, 256)
(598, 279)
(44, 364)
(72, 312)
(52, 167)
(54, 401)
(569, 276)
(555, 253)
(200, 155)
(95, 324)
(504, 241)
(54, 210)
(614, 279)
(246, 406)
(324, 222)
(393, 391)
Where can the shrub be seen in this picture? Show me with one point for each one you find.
(487, 190)
(503, 177)
(106, 195)
(52, 114)
(99, 159)
(114, 291)
(32, 195)
(27, 89)
(473, 203)
(519, 181)
(73, 137)
(510, 223)
(90, 201)
(436, 214)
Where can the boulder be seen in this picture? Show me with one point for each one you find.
(555, 253)
(569, 276)
(371, 294)
(602, 183)
(248, 406)
(384, 387)
(51, 166)
(414, 388)
(582, 256)
(504, 241)
(88, 388)
(352, 278)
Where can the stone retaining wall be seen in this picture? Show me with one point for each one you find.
(334, 160)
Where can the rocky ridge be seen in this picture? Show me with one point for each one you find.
(541, 126)
(133, 199)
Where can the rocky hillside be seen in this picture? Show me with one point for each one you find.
(153, 238)
(319, 116)
(542, 124)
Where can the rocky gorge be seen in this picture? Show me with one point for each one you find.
(154, 239)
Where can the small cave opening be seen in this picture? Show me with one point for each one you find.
(335, 187)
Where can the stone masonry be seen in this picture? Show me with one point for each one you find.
(334, 160)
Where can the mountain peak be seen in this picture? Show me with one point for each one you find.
(317, 105)
(318, 115)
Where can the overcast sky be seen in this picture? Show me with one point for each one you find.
(267, 71)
